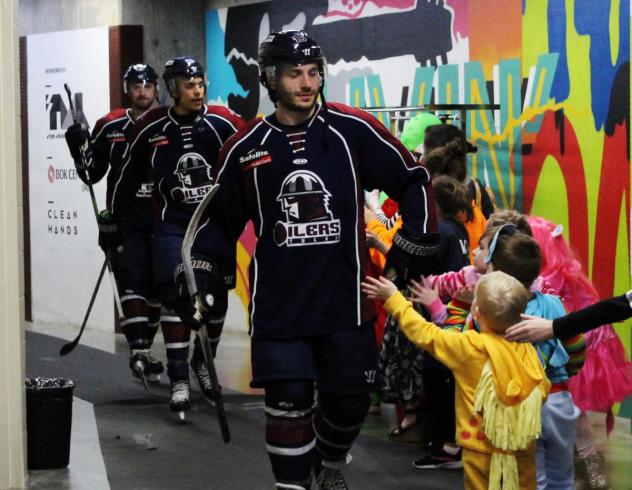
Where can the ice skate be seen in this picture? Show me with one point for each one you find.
(201, 375)
(328, 474)
(145, 367)
(179, 402)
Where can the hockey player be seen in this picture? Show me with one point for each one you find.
(299, 175)
(132, 263)
(181, 144)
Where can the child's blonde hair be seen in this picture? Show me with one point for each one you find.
(500, 298)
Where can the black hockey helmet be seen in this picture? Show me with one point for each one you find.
(139, 73)
(182, 66)
(288, 48)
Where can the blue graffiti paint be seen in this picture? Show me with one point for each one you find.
(556, 19)
(593, 19)
(222, 79)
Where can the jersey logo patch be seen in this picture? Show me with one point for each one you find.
(255, 158)
(308, 219)
(158, 140)
(194, 174)
(115, 137)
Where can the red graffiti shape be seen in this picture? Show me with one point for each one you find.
(571, 164)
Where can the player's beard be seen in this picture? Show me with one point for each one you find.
(287, 100)
(144, 103)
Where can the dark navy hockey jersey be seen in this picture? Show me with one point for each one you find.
(108, 149)
(303, 189)
(182, 152)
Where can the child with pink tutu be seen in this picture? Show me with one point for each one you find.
(606, 377)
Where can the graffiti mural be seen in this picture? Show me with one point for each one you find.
(559, 146)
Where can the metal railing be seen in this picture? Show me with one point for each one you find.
(397, 115)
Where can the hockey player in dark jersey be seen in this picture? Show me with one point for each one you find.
(180, 144)
(132, 262)
(299, 175)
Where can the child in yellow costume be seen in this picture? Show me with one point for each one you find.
(500, 385)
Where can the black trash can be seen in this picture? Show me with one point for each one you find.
(48, 422)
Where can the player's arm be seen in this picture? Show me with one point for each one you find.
(214, 247)
(388, 165)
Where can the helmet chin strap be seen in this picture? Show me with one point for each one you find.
(321, 91)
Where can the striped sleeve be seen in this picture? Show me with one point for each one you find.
(576, 349)
(458, 315)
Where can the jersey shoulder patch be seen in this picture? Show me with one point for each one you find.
(226, 113)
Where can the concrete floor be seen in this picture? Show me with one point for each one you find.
(87, 469)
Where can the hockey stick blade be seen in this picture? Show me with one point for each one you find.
(187, 243)
(69, 347)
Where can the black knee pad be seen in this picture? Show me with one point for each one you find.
(344, 410)
(289, 395)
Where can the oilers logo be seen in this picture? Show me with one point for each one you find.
(195, 178)
(309, 221)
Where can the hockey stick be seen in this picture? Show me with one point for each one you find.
(68, 348)
(117, 298)
(202, 333)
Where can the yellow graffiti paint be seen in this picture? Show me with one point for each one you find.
(551, 185)
(614, 30)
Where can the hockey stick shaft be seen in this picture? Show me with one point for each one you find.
(69, 347)
(202, 333)
(115, 291)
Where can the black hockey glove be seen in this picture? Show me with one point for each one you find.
(408, 259)
(110, 236)
(212, 292)
(78, 139)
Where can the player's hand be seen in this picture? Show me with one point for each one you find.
(423, 294)
(411, 258)
(78, 141)
(530, 329)
(110, 235)
(211, 301)
(380, 288)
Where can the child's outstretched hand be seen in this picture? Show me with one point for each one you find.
(465, 294)
(380, 288)
(423, 294)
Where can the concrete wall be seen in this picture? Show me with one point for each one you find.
(38, 16)
(12, 400)
(171, 28)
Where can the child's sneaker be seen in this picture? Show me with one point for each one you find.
(439, 459)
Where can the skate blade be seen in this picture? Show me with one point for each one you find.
(153, 378)
(139, 368)
(182, 416)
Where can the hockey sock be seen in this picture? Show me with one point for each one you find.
(177, 336)
(289, 434)
(154, 309)
(136, 321)
(337, 422)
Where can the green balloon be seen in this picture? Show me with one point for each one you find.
(415, 128)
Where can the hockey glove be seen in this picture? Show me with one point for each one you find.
(78, 140)
(212, 293)
(110, 236)
(408, 259)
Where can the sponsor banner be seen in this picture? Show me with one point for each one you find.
(65, 259)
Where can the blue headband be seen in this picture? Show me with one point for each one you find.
(506, 229)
